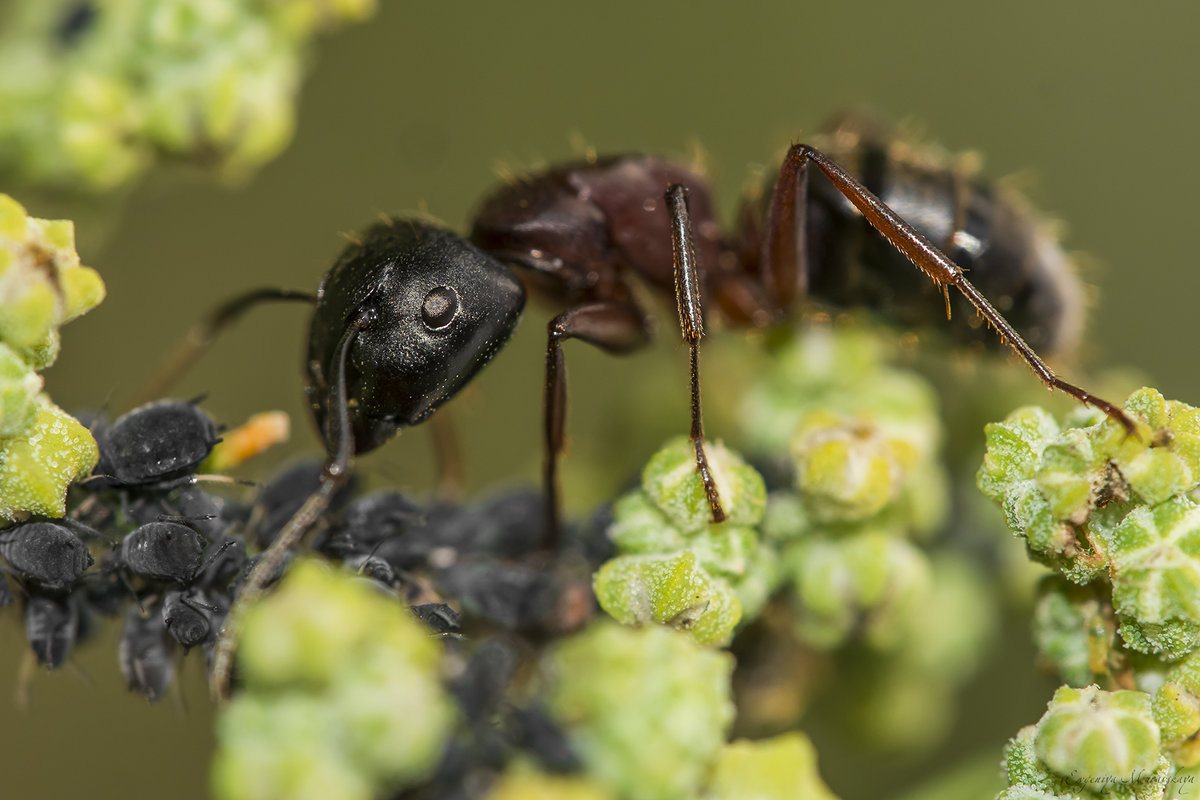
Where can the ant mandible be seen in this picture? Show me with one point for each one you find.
(410, 312)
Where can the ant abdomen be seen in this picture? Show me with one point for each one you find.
(1004, 247)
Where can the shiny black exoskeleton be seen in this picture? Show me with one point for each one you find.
(428, 310)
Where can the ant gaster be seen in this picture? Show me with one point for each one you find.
(410, 312)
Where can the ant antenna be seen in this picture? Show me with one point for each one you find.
(337, 472)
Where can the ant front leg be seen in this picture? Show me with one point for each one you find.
(785, 269)
(616, 326)
(204, 333)
(333, 478)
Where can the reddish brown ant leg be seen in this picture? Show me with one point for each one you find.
(614, 326)
(691, 322)
(784, 267)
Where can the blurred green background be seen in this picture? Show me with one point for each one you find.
(415, 110)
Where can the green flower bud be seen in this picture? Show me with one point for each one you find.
(670, 590)
(786, 517)
(847, 470)
(19, 389)
(639, 527)
(214, 83)
(42, 284)
(646, 709)
(1093, 735)
(1155, 554)
(1071, 632)
(342, 696)
(1163, 461)
(37, 466)
(841, 371)
(673, 484)
(1029, 793)
(861, 583)
(524, 783)
(780, 768)
(1014, 449)
(317, 625)
(283, 747)
(1176, 707)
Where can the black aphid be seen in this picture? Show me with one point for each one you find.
(283, 495)
(158, 445)
(190, 618)
(163, 551)
(438, 616)
(146, 654)
(51, 625)
(46, 553)
(533, 729)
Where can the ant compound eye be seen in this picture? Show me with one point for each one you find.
(440, 308)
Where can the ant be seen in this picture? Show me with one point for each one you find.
(410, 312)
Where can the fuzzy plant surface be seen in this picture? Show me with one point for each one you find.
(43, 286)
(1111, 511)
(1114, 517)
(836, 554)
(342, 695)
(93, 93)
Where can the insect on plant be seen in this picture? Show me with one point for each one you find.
(410, 311)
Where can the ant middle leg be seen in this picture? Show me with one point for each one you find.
(784, 268)
(616, 326)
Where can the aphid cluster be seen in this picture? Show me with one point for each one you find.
(147, 541)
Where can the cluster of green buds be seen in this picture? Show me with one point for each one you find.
(341, 698)
(838, 542)
(1114, 515)
(862, 439)
(1092, 744)
(600, 685)
(91, 93)
(42, 287)
(1115, 510)
(675, 566)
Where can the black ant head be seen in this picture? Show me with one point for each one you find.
(430, 310)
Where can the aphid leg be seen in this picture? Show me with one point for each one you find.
(784, 254)
(451, 469)
(26, 672)
(614, 326)
(334, 477)
(204, 333)
(691, 322)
